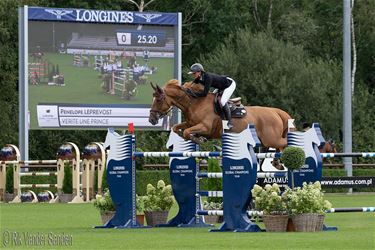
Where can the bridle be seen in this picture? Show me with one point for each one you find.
(161, 97)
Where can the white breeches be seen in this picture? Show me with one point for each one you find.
(228, 92)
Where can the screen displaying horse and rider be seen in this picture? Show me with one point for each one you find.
(92, 69)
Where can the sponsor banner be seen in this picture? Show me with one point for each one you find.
(47, 116)
(281, 181)
(340, 182)
(94, 116)
(348, 182)
(101, 16)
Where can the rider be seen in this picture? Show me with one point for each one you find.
(222, 83)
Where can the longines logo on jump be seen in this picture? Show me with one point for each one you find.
(59, 13)
(148, 17)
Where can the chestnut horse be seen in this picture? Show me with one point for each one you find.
(328, 147)
(201, 121)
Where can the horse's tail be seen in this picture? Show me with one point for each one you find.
(284, 116)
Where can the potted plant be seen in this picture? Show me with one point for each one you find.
(212, 219)
(269, 201)
(67, 188)
(306, 206)
(8, 196)
(293, 158)
(157, 203)
(105, 206)
(140, 210)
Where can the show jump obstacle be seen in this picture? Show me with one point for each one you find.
(68, 155)
(239, 163)
(239, 175)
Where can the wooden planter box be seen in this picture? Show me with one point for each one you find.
(309, 222)
(275, 223)
(154, 218)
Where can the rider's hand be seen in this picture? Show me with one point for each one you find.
(191, 93)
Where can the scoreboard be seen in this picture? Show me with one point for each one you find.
(141, 38)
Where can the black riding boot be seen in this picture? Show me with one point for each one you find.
(228, 115)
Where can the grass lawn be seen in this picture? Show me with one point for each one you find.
(83, 85)
(356, 230)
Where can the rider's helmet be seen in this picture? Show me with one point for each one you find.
(196, 67)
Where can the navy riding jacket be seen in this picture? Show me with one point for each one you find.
(211, 80)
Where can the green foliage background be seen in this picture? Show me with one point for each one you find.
(289, 58)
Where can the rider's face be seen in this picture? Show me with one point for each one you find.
(197, 74)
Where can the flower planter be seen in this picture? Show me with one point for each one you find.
(106, 216)
(320, 222)
(290, 226)
(308, 222)
(275, 223)
(8, 197)
(154, 218)
(65, 198)
(211, 219)
(141, 219)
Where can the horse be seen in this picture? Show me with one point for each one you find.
(201, 122)
(328, 147)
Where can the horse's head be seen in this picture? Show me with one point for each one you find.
(332, 146)
(160, 107)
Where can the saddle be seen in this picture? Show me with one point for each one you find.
(237, 109)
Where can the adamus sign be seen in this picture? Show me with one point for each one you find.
(101, 16)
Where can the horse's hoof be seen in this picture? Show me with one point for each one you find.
(276, 164)
(197, 140)
(202, 139)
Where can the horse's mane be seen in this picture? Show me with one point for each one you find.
(173, 83)
(194, 87)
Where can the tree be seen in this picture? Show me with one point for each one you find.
(271, 73)
(8, 73)
(141, 5)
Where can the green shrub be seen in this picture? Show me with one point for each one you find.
(68, 180)
(293, 157)
(268, 199)
(159, 198)
(214, 184)
(144, 177)
(105, 181)
(9, 179)
(308, 199)
(96, 181)
(104, 203)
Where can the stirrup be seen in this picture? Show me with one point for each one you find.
(227, 126)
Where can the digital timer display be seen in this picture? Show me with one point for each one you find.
(141, 38)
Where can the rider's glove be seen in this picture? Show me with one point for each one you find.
(191, 93)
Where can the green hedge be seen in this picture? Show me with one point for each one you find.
(9, 179)
(144, 177)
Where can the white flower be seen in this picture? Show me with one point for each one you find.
(161, 184)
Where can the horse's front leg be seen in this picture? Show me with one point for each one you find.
(179, 128)
(199, 129)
